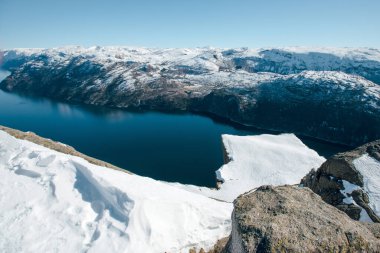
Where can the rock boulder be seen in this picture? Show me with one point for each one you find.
(294, 219)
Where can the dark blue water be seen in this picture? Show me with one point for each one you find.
(182, 148)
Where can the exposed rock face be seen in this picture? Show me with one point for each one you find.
(338, 173)
(292, 219)
(330, 94)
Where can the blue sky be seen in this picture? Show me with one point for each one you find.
(191, 23)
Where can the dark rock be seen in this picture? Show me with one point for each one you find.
(361, 198)
(327, 180)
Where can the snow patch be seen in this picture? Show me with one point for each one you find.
(364, 216)
(347, 191)
(264, 160)
(369, 168)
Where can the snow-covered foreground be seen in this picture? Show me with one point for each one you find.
(370, 170)
(261, 160)
(52, 202)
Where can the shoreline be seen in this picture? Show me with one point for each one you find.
(58, 146)
(214, 117)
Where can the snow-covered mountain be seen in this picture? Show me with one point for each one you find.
(326, 93)
(289, 60)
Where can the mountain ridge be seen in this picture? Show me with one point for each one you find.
(332, 94)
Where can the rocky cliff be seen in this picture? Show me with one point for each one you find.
(292, 219)
(330, 94)
(349, 181)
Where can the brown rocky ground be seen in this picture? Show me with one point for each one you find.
(294, 219)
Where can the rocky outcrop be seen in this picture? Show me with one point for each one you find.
(312, 94)
(293, 219)
(338, 173)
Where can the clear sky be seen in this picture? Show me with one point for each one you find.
(190, 23)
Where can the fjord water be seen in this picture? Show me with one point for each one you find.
(182, 148)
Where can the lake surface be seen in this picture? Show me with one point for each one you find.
(182, 148)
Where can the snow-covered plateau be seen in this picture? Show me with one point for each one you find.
(54, 202)
(254, 161)
(326, 93)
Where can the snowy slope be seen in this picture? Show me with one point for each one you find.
(260, 160)
(369, 168)
(52, 202)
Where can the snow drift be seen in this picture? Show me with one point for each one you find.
(52, 202)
